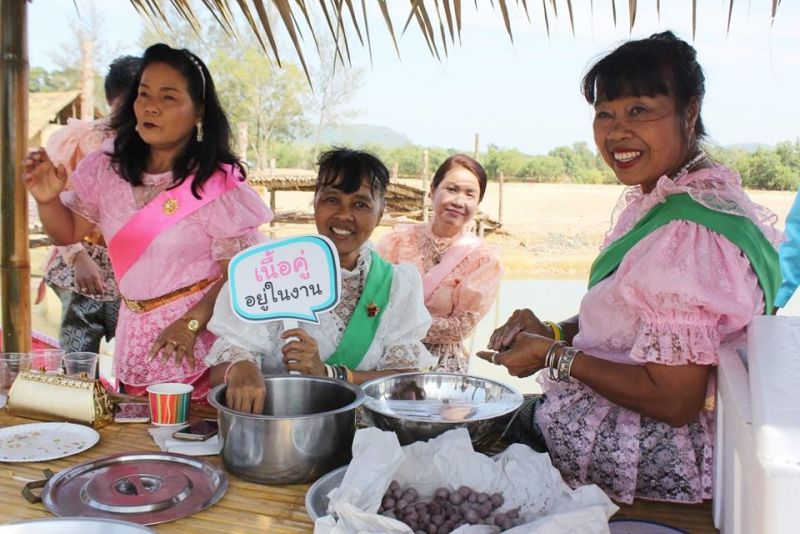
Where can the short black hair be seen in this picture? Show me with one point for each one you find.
(120, 77)
(345, 169)
(662, 64)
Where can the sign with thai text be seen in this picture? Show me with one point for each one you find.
(289, 279)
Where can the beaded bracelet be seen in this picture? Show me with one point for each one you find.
(558, 333)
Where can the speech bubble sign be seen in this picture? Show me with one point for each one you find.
(289, 279)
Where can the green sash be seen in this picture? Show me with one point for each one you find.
(739, 230)
(361, 328)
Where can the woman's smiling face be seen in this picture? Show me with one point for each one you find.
(347, 219)
(643, 138)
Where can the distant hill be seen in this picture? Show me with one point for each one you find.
(359, 134)
(749, 147)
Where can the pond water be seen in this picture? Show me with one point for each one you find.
(552, 300)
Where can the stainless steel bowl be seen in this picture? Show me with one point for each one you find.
(420, 406)
(305, 430)
(317, 495)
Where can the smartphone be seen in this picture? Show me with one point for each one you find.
(198, 431)
(132, 412)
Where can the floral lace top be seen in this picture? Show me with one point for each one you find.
(397, 343)
(462, 298)
(185, 253)
(677, 294)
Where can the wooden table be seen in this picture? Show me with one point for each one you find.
(247, 507)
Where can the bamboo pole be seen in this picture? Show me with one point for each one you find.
(14, 259)
(425, 171)
(501, 179)
(477, 150)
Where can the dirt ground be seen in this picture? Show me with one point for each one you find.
(549, 230)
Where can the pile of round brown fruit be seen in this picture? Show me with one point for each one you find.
(447, 510)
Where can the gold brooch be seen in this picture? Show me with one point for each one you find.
(169, 206)
(372, 309)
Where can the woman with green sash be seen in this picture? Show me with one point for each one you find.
(378, 325)
(628, 383)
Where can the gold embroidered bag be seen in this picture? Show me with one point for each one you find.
(53, 397)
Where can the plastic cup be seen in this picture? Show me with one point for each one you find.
(169, 403)
(47, 359)
(11, 364)
(77, 363)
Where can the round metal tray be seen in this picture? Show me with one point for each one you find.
(317, 494)
(145, 488)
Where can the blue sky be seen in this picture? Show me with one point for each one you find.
(525, 94)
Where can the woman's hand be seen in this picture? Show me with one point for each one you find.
(88, 276)
(42, 178)
(524, 357)
(177, 341)
(302, 354)
(246, 390)
(520, 321)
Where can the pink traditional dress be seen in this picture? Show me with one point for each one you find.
(676, 296)
(178, 257)
(459, 296)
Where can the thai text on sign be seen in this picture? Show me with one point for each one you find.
(290, 279)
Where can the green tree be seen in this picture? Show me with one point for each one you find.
(763, 169)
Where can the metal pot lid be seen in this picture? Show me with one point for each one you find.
(144, 488)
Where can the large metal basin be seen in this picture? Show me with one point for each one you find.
(305, 430)
(420, 406)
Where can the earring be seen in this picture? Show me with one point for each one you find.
(199, 131)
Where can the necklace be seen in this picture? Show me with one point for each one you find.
(694, 160)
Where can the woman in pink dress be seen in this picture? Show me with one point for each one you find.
(170, 200)
(629, 389)
(460, 272)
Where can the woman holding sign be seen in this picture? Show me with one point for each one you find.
(170, 199)
(629, 382)
(460, 273)
(378, 325)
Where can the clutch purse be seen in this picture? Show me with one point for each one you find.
(53, 397)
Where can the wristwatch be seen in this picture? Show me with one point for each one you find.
(193, 325)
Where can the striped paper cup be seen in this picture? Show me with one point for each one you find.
(169, 403)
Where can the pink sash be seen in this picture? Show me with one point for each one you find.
(455, 255)
(161, 213)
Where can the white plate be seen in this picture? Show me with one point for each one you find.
(38, 442)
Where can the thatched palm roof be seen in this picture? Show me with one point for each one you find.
(44, 108)
(439, 20)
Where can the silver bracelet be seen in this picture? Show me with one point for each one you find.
(329, 371)
(550, 359)
(565, 363)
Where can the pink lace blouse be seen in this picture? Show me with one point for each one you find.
(678, 294)
(461, 299)
(183, 254)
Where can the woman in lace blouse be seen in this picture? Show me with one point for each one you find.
(169, 197)
(460, 272)
(629, 393)
(348, 205)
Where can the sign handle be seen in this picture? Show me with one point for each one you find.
(289, 324)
